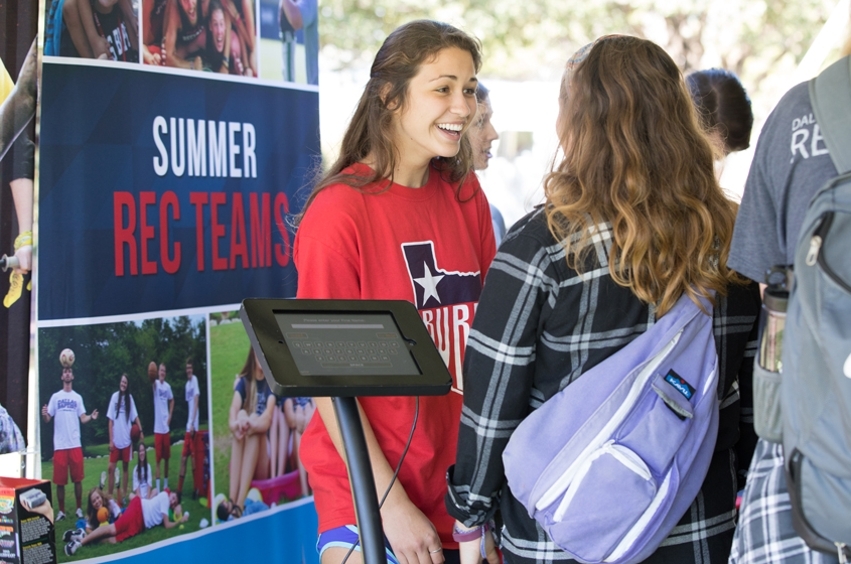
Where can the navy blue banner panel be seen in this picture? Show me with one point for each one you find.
(162, 192)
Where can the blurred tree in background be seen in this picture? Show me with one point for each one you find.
(531, 39)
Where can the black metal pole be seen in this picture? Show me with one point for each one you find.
(361, 479)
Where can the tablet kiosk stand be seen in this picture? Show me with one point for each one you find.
(429, 377)
(362, 481)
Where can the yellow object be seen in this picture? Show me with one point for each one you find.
(103, 515)
(16, 287)
(6, 83)
(24, 239)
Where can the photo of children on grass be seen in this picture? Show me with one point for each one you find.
(257, 434)
(105, 435)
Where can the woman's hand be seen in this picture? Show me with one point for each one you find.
(412, 536)
(471, 551)
(236, 429)
(244, 422)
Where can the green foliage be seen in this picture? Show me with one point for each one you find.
(533, 39)
(106, 351)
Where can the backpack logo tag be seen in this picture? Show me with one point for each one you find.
(679, 384)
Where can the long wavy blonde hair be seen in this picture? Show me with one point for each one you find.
(636, 157)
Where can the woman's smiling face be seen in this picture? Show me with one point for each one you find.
(440, 106)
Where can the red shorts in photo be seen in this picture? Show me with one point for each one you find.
(65, 459)
(131, 522)
(122, 454)
(162, 446)
(187, 444)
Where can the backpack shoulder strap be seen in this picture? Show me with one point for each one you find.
(830, 96)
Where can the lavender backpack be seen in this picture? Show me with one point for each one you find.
(612, 462)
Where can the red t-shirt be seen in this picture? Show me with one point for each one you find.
(422, 245)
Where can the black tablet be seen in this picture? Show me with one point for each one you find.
(344, 348)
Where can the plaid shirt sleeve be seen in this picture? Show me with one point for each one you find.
(736, 332)
(498, 372)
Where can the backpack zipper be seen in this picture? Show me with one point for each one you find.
(814, 255)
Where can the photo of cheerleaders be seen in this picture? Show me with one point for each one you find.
(241, 16)
(219, 34)
(153, 20)
(399, 215)
(95, 29)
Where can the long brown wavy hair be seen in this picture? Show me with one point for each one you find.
(371, 132)
(635, 156)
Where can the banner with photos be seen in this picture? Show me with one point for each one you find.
(18, 93)
(176, 141)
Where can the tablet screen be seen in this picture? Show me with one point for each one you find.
(326, 343)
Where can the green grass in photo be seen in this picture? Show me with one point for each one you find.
(93, 467)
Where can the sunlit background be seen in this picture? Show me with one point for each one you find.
(770, 45)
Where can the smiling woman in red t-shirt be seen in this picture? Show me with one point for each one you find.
(398, 216)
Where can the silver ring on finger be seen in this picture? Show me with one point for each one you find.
(436, 550)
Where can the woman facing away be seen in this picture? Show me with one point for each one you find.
(633, 219)
(399, 216)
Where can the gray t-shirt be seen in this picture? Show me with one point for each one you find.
(790, 164)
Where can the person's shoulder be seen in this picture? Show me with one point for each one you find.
(794, 104)
(530, 240)
(336, 201)
(350, 184)
(533, 227)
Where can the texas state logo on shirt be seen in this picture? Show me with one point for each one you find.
(446, 301)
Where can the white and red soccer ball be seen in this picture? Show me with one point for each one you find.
(66, 358)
